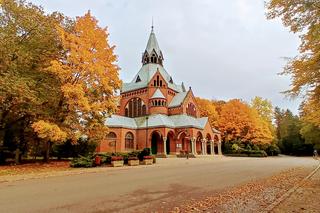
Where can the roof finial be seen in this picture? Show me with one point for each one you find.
(152, 24)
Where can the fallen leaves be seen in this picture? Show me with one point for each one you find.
(254, 196)
(34, 168)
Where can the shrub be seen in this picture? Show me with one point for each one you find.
(255, 147)
(83, 147)
(273, 150)
(144, 152)
(258, 153)
(248, 147)
(235, 147)
(237, 155)
(5, 154)
(82, 162)
(105, 158)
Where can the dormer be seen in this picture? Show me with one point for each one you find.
(158, 80)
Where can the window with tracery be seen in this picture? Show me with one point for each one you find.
(135, 108)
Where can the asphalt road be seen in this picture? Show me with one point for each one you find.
(139, 189)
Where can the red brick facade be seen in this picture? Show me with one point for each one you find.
(156, 113)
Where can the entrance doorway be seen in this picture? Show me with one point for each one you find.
(155, 142)
(168, 146)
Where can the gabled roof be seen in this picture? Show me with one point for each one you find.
(158, 94)
(145, 74)
(178, 99)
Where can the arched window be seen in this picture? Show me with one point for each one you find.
(158, 81)
(134, 108)
(191, 110)
(129, 141)
(112, 139)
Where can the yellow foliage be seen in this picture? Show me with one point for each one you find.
(49, 131)
(89, 77)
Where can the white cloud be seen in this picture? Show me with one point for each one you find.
(223, 49)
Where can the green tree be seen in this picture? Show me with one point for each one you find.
(290, 139)
(311, 134)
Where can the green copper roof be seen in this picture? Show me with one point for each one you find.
(158, 94)
(157, 120)
(145, 75)
(178, 99)
(153, 44)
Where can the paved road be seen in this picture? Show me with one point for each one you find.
(141, 188)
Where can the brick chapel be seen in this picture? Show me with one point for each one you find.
(157, 113)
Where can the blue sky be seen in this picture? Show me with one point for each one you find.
(222, 49)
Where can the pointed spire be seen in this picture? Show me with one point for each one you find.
(153, 43)
(152, 54)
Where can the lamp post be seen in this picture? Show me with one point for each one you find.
(147, 118)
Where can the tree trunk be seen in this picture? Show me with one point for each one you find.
(46, 154)
(17, 156)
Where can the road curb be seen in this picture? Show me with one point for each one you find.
(292, 190)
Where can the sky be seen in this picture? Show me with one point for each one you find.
(222, 49)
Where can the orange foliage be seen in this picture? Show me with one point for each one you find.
(240, 122)
(208, 109)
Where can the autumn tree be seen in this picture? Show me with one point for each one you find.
(28, 43)
(238, 121)
(208, 109)
(89, 79)
(302, 17)
(265, 110)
